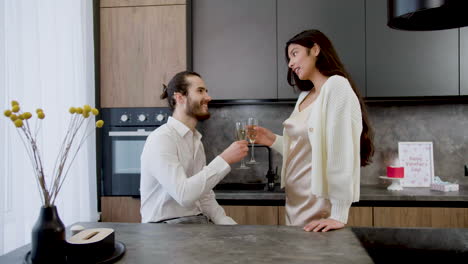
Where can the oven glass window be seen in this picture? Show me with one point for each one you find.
(126, 156)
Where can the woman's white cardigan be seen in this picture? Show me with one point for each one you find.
(334, 134)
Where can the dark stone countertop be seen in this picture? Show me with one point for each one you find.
(368, 193)
(162, 243)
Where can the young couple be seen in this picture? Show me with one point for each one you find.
(325, 141)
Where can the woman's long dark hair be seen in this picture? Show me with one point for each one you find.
(329, 64)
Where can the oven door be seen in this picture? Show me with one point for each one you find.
(122, 148)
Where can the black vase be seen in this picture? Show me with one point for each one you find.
(48, 238)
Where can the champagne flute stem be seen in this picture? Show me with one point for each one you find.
(252, 156)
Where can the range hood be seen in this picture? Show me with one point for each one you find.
(422, 15)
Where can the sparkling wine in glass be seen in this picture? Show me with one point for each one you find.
(252, 123)
(241, 128)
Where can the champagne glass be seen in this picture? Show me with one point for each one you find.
(252, 123)
(241, 135)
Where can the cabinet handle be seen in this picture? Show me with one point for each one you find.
(138, 133)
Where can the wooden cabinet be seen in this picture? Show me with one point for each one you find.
(421, 217)
(408, 63)
(281, 215)
(464, 61)
(342, 21)
(120, 209)
(142, 47)
(234, 47)
(127, 209)
(360, 216)
(253, 215)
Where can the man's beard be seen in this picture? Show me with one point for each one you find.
(195, 110)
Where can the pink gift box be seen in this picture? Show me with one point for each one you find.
(395, 172)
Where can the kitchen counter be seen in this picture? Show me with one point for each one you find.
(368, 193)
(162, 243)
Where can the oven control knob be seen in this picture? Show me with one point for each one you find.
(160, 117)
(142, 118)
(124, 118)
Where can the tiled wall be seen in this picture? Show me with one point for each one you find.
(446, 125)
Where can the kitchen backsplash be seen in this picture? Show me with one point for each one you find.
(446, 125)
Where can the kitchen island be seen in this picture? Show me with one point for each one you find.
(162, 243)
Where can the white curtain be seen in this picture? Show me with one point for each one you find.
(46, 61)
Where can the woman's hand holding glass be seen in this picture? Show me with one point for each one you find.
(264, 136)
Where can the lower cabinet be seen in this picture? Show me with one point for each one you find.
(253, 215)
(421, 217)
(365, 216)
(281, 215)
(127, 209)
(358, 216)
(120, 209)
(275, 215)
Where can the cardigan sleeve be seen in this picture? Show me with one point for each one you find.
(278, 144)
(342, 150)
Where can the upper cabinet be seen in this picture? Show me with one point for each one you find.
(464, 61)
(408, 63)
(234, 47)
(143, 44)
(238, 48)
(342, 21)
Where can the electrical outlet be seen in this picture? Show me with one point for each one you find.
(466, 170)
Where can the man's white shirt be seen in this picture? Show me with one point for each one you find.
(175, 180)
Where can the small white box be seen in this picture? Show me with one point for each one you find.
(452, 187)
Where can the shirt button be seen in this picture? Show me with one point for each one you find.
(311, 129)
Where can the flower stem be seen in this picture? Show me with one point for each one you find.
(85, 136)
(59, 176)
(34, 165)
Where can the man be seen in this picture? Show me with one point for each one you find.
(176, 184)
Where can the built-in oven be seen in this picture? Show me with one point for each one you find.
(124, 136)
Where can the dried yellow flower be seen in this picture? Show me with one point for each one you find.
(27, 115)
(15, 108)
(40, 115)
(19, 118)
(18, 123)
(99, 123)
(87, 108)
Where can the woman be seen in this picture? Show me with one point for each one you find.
(325, 140)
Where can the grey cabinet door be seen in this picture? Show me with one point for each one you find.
(464, 61)
(408, 63)
(342, 21)
(234, 47)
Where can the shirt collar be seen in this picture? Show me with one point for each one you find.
(181, 128)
